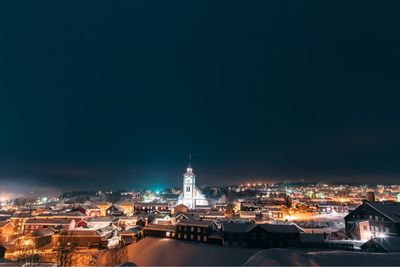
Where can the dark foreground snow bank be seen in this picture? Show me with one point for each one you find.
(289, 257)
(161, 252)
(170, 252)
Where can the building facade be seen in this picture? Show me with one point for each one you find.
(191, 196)
(373, 219)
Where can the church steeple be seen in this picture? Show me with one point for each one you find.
(189, 168)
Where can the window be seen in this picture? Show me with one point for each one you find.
(191, 229)
(187, 188)
(205, 239)
(376, 218)
(370, 217)
(198, 229)
(386, 229)
(263, 236)
(185, 236)
(191, 237)
(365, 228)
(198, 238)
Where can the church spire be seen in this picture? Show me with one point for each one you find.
(189, 168)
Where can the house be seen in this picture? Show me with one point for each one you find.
(159, 230)
(373, 219)
(249, 206)
(90, 211)
(379, 244)
(36, 239)
(236, 234)
(127, 208)
(18, 220)
(162, 218)
(247, 214)
(131, 235)
(114, 210)
(103, 206)
(149, 207)
(75, 215)
(331, 208)
(7, 230)
(180, 209)
(132, 221)
(195, 230)
(56, 223)
(84, 238)
(214, 215)
(274, 212)
(99, 222)
(261, 235)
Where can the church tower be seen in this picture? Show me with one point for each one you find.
(191, 196)
(189, 185)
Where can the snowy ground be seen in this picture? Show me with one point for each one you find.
(288, 257)
(161, 252)
(168, 252)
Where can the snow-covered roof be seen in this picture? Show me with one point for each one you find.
(389, 244)
(237, 227)
(392, 211)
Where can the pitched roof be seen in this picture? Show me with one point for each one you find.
(53, 221)
(74, 214)
(43, 232)
(2, 224)
(203, 223)
(238, 227)
(392, 211)
(81, 232)
(101, 219)
(311, 238)
(279, 228)
(390, 244)
(21, 215)
(159, 227)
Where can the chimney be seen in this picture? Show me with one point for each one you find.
(370, 196)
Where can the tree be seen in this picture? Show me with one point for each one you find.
(29, 254)
(117, 256)
(65, 250)
(230, 212)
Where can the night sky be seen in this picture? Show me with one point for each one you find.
(116, 94)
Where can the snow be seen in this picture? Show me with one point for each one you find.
(171, 252)
(161, 252)
(290, 257)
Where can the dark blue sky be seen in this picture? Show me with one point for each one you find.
(118, 93)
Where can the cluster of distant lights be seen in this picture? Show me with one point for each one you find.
(254, 184)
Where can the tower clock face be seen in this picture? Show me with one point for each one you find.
(188, 180)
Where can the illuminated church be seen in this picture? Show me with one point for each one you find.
(191, 196)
